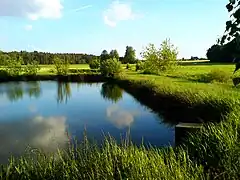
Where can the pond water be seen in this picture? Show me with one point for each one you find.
(47, 114)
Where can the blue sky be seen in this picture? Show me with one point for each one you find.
(89, 26)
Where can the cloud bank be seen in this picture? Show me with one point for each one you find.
(32, 9)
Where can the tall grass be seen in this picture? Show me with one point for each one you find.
(217, 146)
(111, 161)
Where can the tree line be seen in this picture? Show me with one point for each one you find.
(72, 58)
(45, 57)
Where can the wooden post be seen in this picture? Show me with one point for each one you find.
(182, 130)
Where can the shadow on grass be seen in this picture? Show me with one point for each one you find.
(175, 110)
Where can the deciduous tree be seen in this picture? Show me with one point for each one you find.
(130, 55)
(110, 67)
(158, 60)
(104, 55)
(114, 54)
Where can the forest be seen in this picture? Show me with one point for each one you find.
(45, 57)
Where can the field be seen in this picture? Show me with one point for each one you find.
(190, 78)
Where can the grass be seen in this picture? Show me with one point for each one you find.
(47, 69)
(211, 154)
(216, 146)
(112, 161)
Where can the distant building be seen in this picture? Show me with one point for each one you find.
(194, 58)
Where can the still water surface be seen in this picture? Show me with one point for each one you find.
(47, 114)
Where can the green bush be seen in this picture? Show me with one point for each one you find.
(216, 75)
(110, 67)
(139, 66)
(13, 66)
(3, 73)
(61, 66)
(31, 68)
(94, 64)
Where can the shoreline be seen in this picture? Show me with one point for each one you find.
(69, 77)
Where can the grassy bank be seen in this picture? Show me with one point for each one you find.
(211, 154)
(181, 103)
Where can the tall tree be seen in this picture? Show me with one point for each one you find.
(114, 54)
(130, 55)
(232, 26)
(104, 55)
(232, 31)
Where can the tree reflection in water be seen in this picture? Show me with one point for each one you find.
(111, 92)
(63, 92)
(15, 91)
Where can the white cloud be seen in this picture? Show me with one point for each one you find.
(32, 9)
(116, 12)
(28, 27)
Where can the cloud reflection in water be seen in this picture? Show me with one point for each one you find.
(119, 117)
(47, 134)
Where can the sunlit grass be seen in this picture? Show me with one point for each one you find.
(111, 161)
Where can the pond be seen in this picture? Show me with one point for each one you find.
(47, 114)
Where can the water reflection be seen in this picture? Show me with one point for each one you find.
(111, 92)
(119, 117)
(89, 107)
(45, 133)
(63, 92)
(34, 89)
(15, 91)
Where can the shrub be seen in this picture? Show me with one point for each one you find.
(32, 68)
(217, 75)
(3, 73)
(13, 66)
(159, 60)
(110, 67)
(139, 66)
(94, 64)
(61, 66)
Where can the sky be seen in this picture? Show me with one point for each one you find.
(90, 26)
